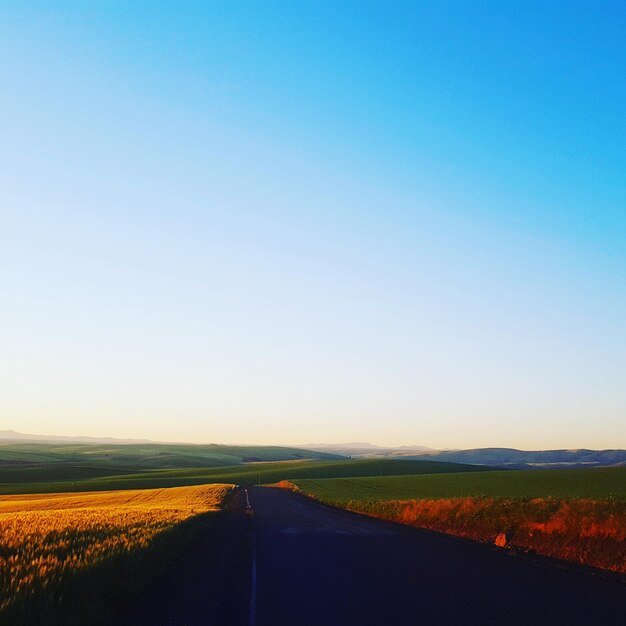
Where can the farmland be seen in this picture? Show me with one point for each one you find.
(609, 482)
(149, 455)
(578, 515)
(92, 546)
(99, 530)
(84, 477)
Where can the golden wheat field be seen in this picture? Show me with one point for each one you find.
(46, 538)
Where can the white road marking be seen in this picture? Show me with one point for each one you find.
(252, 609)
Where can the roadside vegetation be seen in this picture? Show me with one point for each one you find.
(72, 559)
(577, 515)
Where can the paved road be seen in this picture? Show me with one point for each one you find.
(299, 563)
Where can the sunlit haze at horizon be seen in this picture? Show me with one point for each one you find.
(282, 223)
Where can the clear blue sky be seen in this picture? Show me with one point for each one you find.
(290, 222)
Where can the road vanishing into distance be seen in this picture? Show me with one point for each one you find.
(296, 562)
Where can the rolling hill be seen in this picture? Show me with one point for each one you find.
(510, 458)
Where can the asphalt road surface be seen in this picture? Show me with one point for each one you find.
(299, 563)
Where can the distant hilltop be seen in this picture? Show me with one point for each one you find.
(506, 458)
(14, 437)
(363, 448)
(509, 458)
(530, 459)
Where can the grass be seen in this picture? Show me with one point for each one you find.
(15, 457)
(80, 478)
(605, 482)
(65, 558)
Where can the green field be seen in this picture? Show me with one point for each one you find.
(78, 477)
(72, 465)
(607, 482)
(39, 467)
(146, 456)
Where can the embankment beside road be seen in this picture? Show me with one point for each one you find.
(588, 531)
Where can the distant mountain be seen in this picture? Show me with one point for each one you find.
(360, 445)
(510, 458)
(363, 449)
(14, 437)
(528, 459)
(158, 454)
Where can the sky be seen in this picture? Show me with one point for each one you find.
(295, 222)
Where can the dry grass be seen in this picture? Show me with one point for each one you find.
(46, 540)
(287, 484)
